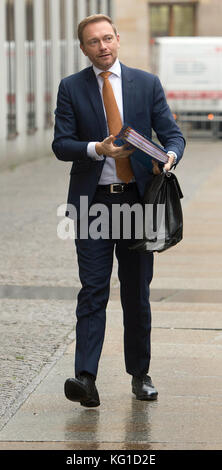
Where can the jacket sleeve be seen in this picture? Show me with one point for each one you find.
(164, 123)
(66, 144)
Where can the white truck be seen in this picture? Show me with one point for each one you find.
(190, 70)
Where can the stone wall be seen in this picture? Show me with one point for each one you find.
(132, 20)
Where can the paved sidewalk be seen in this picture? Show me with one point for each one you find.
(38, 285)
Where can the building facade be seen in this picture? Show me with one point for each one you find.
(39, 46)
(140, 21)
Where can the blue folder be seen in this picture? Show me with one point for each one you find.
(139, 154)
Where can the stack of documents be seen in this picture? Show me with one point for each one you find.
(143, 143)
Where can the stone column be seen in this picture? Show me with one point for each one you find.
(70, 36)
(82, 13)
(3, 80)
(39, 63)
(55, 48)
(20, 55)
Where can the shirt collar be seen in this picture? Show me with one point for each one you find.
(115, 69)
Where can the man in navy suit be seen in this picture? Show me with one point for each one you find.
(82, 136)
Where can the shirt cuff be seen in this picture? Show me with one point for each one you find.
(91, 151)
(170, 152)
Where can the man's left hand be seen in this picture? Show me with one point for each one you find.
(167, 166)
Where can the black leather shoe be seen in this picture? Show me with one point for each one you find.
(143, 388)
(82, 389)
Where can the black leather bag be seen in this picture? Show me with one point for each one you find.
(163, 227)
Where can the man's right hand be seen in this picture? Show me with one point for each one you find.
(108, 148)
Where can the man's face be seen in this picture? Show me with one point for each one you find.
(100, 44)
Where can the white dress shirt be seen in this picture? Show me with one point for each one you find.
(108, 175)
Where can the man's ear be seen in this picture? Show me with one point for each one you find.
(118, 40)
(83, 49)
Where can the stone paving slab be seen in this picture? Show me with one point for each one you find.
(70, 293)
(69, 446)
(32, 332)
(30, 251)
(176, 420)
(22, 354)
(186, 336)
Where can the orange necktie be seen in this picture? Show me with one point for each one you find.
(123, 166)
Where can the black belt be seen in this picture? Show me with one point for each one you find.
(116, 187)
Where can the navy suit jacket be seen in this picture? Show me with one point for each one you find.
(80, 119)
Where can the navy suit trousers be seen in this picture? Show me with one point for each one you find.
(135, 271)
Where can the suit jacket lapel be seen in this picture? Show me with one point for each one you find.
(96, 100)
(129, 101)
(128, 90)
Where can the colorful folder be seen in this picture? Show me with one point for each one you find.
(144, 144)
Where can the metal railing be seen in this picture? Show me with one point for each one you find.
(200, 125)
